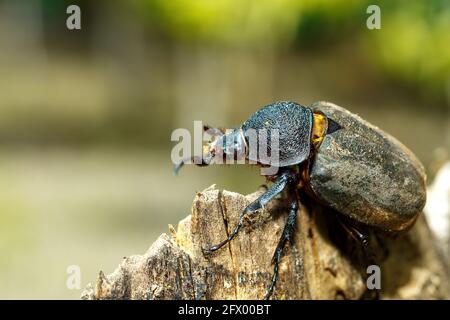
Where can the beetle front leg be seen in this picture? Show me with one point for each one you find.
(287, 234)
(285, 178)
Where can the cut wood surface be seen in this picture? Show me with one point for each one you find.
(323, 262)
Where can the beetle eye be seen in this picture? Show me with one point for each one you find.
(333, 126)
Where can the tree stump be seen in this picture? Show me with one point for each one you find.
(322, 262)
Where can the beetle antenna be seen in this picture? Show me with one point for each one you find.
(202, 161)
(177, 167)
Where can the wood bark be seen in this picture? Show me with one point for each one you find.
(322, 262)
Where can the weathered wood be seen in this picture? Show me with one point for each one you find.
(322, 263)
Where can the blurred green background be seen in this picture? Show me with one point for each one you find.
(86, 116)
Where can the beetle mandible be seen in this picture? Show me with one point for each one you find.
(336, 157)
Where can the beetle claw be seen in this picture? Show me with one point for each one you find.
(209, 250)
(206, 251)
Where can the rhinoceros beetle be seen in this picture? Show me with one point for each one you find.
(355, 168)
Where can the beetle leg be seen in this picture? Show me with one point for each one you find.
(285, 178)
(288, 231)
(363, 239)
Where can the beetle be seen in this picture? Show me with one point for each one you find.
(335, 157)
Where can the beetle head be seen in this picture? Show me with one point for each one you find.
(224, 147)
(229, 146)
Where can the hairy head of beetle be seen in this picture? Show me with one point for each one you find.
(228, 147)
(231, 146)
(223, 146)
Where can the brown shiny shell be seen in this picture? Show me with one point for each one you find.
(366, 174)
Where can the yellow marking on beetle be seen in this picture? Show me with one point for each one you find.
(319, 128)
